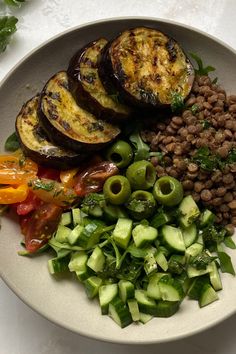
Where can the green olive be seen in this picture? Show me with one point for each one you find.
(141, 204)
(141, 175)
(120, 153)
(117, 189)
(168, 191)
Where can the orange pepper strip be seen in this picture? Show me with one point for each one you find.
(67, 177)
(10, 195)
(12, 171)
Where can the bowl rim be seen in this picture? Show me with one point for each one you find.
(8, 282)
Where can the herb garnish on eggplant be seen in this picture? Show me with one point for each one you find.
(68, 124)
(89, 90)
(147, 67)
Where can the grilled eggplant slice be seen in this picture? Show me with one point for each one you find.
(89, 90)
(35, 143)
(147, 67)
(69, 125)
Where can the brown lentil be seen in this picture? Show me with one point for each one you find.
(180, 136)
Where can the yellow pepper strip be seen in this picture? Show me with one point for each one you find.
(16, 171)
(11, 195)
(67, 177)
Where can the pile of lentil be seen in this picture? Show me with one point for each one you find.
(207, 120)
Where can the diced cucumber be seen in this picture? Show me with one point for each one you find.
(184, 280)
(145, 303)
(106, 294)
(161, 260)
(62, 234)
(92, 285)
(150, 264)
(134, 310)
(193, 250)
(194, 272)
(119, 312)
(160, 219)
(172, 238)
(97, 260)
(126, 290)
(170, 289)
(176, 263)
(143, 235)
(95, 211)
(153, 290)
(58, 265)
(75, 234)
(122, 232)
(144, 317)
(78, 261)
(84, 274)
(166, 308)
(208, 295)
(206, 218)
(195, 288)
(113, 212)
(89, 237)
(66, 219)
(215, 277)
(189, 211)
(76, 216)
(190, 234)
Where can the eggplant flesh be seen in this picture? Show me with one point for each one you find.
(147, 67)
(88, 88)
(68, 124)
(35, 143)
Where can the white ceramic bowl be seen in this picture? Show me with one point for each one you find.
(64, 301)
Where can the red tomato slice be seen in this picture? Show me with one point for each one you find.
(31, 203)
(39, 227)
(92, 178)
(50, 173)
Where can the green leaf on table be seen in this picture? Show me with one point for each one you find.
(14, 2)
(7, 28)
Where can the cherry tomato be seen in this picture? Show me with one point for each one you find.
(11, 194)
(31, 203)
(16, 170)
(50, 173)
(92, 178)
(39, 226)
(51, 191)
(68, 177)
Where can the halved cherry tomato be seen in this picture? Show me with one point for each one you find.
(11, 195)
(51, 191)
(16, 170)
(92, 178)
(39, 226)
(50, 173)
(31, 203)
(68, 177)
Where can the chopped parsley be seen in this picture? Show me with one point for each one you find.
(177, 102)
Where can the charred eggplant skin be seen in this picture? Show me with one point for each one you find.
(146, 67)
(87, 87)
(35, 143)
(69, 125)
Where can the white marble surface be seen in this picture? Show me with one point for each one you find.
(22, 331)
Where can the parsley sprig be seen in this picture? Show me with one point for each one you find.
(8, 25)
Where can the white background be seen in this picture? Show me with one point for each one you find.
(21, 330)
